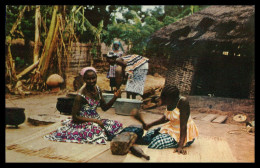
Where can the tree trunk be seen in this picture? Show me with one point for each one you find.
(48, 41)
(18, 21)
(10, 63)
(51, 49)
(37, 34)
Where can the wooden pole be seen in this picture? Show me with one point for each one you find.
(37, 34)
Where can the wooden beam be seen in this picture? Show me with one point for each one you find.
(220, 119)
(209, 117)
(28, 69)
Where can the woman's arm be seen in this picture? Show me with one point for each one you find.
(105, 106)
(78, 103)
(162, 120)
(184, 116)
(121, 62)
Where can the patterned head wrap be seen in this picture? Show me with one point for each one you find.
(82, 72)
(120, 45)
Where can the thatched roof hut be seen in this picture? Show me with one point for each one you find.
(219, 24)
(211, 51)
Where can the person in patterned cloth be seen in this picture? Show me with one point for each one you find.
(86, 126)
(178, 131)
(111, 74)
(134, 70)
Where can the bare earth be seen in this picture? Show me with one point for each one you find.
(241, 143)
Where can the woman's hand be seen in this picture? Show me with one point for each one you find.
(117, 93)
(180, 150)
(146, 126)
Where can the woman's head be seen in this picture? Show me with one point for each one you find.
(169, 94)
(89, 75)
(116, 45)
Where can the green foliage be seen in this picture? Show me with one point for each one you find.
(137, 26)
(97, 23)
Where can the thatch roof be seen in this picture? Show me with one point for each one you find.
(21, 42)
(233, 24)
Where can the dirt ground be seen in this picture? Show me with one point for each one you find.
(241, 142)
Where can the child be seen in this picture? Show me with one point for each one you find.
(111, 59)
(179, 130)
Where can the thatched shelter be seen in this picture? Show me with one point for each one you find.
(22, 49)
(211, 51)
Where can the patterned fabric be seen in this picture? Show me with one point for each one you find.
(118, 53)
(120, 45)
(139, 131)
(112, 71)
(154, 139)
(173, 126)
(87, 132)
(168, 135)
(136, 84)
(163, 141)
(133, 62)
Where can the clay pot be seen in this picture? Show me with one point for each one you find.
(54, 81)
(14, 116)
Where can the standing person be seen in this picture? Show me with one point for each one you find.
(136, 68)
(86, 126)
(115, 48)
(111, 74)
(179, 130)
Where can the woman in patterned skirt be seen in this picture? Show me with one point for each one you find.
(86, 126)
(134, 69)
(178, 131)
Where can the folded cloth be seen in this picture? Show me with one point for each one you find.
(133, 62)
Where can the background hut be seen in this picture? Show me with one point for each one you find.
(22, 52)
(211, 51)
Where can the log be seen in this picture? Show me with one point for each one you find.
(121, 144)
(31, 67)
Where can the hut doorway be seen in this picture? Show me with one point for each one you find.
(223, 76)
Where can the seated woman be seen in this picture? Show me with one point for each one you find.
(179, 130)
(133, 68)
(86, 126)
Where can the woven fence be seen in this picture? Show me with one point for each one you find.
(82, 56)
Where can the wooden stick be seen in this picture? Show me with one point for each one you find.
(28, 69)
